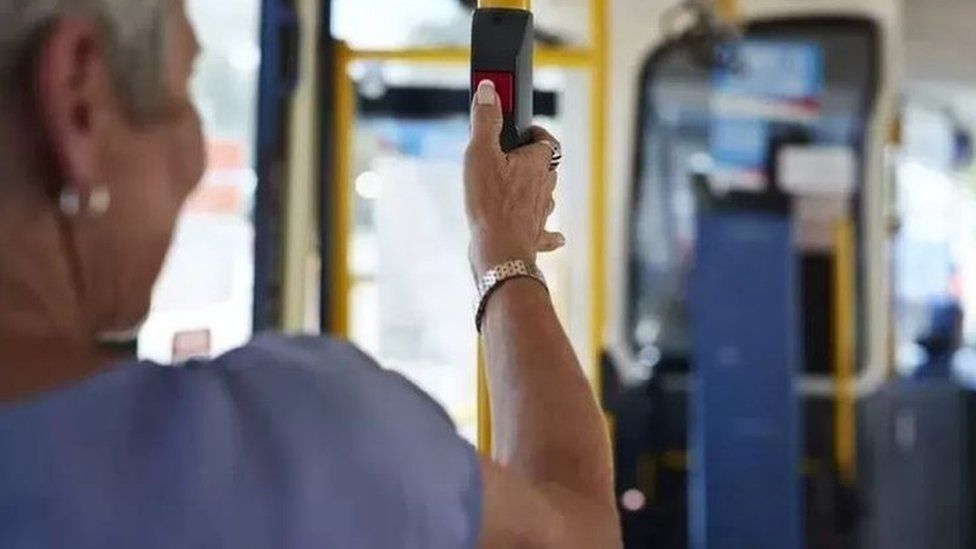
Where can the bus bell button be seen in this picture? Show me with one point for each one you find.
(504, 85)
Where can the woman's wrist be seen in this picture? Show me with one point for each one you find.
(503, 274)
(488, 252)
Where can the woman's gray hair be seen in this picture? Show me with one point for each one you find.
(133, 33)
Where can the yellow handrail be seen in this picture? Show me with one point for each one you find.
(484, 405)
(345, 114)
(728, 10)
(845, 451)
(544, 57)
(598, 184)
(510, 4)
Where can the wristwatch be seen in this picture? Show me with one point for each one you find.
(498, 275)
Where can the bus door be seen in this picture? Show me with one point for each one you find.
(693, 136)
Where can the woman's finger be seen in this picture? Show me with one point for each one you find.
(550, 242)
(544, 152)
(486, 119)
(547, 193)
(541, 135)
(544, 155)
(538, 133)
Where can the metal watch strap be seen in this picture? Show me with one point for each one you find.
(498, 275)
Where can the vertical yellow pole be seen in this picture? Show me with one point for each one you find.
(598, 186)
(845, 451)
(727, 10)
(509, 4)
(484, 400)
(345, 114)
(484, 405)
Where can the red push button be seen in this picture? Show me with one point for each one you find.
(504, 85)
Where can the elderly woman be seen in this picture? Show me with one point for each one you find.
(282, 443)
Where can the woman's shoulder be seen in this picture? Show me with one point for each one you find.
(281, 355)
(305, 375)
(333, 371)
(310, 425)
(303, 351)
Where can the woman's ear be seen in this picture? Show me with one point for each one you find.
(72, 94)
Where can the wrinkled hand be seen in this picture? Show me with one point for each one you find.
(509, 197)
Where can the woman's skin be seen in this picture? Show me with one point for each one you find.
(66, 279)
(550, 482)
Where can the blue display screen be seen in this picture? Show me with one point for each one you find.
(774, 69)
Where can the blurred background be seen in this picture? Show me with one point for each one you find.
(771, 214)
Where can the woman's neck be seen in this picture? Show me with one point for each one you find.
(30, 372)
(44, 342)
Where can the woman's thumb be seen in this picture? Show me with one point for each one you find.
(486, 117)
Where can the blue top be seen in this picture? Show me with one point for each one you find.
(285, 443)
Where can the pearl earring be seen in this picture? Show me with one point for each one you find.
(96, 204)
(99, 201)
(69, 202)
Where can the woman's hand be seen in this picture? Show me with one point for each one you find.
(509, 196)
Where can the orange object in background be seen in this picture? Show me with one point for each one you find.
(217, 198)
(224, 186)
(226, 155)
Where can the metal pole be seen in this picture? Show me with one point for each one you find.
(508, 4)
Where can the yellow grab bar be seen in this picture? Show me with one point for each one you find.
(345, 120)
(484, 405)
(544, 56)
(510, 4)
(728, 10)
(845, 450)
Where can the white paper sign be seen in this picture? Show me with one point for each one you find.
(817, 170)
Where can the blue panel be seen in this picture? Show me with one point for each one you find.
(745, 478)
(784, 70)
(739, 142)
